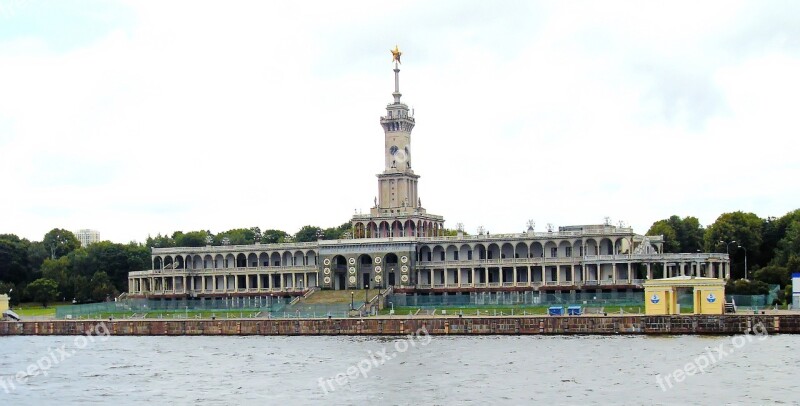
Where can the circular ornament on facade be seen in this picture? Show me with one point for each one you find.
(403, 269)
(327, 280)
(378, 279)
(404, 259)
(326, 261)
(378, 269)
(404, 278)
(352, 261)
(352, 280)
(352, 270)
(326, 271)
(377, 260)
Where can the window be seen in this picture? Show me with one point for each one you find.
(442, 256)
(569, 251)
(455, 256)
(469, 255)
(553, 252)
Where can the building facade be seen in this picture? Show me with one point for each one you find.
(400, 244)
(86, 236)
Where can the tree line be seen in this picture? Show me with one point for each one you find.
(58, 268)
(770, 247)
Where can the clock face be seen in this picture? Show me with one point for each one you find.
(393, 149)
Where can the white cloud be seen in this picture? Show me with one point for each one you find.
(204, 116)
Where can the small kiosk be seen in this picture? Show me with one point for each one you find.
(3, 303)
(661, 295)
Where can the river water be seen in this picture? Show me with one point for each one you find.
(400, 370)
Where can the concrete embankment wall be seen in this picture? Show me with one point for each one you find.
(727, 324)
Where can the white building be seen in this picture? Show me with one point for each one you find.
(796, 291)
(86, 236)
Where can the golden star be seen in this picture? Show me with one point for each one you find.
(396, 54)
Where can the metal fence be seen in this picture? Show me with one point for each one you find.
(489, 299)
(142, 307)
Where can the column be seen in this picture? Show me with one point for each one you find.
(486, 274)
(305, 280)
(528, 269)
(649, 272)
(472, 274)
(445, 276)
(630, 280)
(574, 282)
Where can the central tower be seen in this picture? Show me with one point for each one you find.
(397, 184)
(397, 211)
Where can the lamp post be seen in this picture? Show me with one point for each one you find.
(745, 261)
(727, 244)
(351, 300)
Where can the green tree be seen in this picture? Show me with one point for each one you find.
(101, 287)
(191, 239)
(43, 290)
(14, 266)
(60, 242)
(773, 275)
(745, 229)
(307, 234)
(236, 236)
(665, 229)
(745, 287)
(273, 236)
(160, 241)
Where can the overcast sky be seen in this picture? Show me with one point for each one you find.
(140, 117)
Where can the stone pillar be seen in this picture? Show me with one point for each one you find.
(630, 279)
(472, 273)
(649, 271)
(486, 273)
(514, 276)
(305, 280)
(445, 277)
(530, 280)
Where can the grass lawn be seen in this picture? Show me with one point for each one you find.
(36, 309)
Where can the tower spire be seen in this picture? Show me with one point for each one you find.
(396, 59)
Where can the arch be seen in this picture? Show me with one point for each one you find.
(311, 257)
(197, 262)
(493, 251)
(168, 262)
(507, 250)
(425, 254)
(219, 261)
(360, 230)
(263, 259)
(208, 261)
(372, 230)
(179, 262)
(537, 250)
(286, 258)
(383, 229)
(157, 263)
(299, 259)
(230, 261)
(605, 246)
(591, 247)
(521, 250)
(562, 249)
(451, 253)
(241, 260)
(252, 260)
(275, 259)
(339, 263)
(479, 251)
(464, 252)
(397, 229)
(438, 253)
(576, 249)
(548, 249)
(411, 228)
(390, 259)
